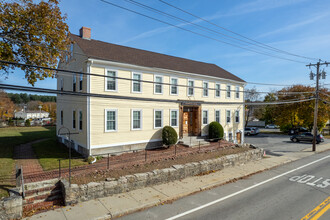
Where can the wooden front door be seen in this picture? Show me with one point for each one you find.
(185, 123)
(239, 137)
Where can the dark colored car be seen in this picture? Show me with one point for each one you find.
(251, 131)
(307, 136)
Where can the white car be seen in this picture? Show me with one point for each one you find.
(271, 126)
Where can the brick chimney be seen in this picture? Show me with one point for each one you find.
(85, 33)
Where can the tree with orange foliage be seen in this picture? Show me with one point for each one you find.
(7, 107)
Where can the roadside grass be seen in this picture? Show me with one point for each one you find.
(50, 151)
(9, 138)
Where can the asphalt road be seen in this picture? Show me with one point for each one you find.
(278, 144)
(291, 191)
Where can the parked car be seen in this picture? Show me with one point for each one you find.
(271, 126)
(297, 130)
(251, 131)
(307, 136)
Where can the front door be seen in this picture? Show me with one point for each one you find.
(185, 121)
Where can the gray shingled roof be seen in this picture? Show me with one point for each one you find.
(117, 53)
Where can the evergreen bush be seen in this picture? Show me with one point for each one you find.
(215, 130)
(27, 123)
(169, 135)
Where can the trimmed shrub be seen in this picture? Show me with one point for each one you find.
(27, 123)
(169, 135)
(215, 130)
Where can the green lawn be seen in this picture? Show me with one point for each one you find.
(49, 151)
(10, 137)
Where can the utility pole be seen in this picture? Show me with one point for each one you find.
(317, 74)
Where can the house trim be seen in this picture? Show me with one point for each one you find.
(125, 143)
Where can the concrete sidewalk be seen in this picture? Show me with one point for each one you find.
(121, 204)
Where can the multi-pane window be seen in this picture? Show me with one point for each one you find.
(237, 92)
(61, 117)
(174, 118)
(205, 117)
(174, 87)
(205, 88)
(158, 85)
(136, 82)
(217, 116)
(111, 80)
(136, 119)
(158, 118)
(81, 82)
(217, 90)
(111, 120)
(74, 82)
(237, 116)
(228, 116)
(80, 120)
(190, 87)
(228, 91)
(74, 119)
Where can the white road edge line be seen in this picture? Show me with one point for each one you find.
(244, 190)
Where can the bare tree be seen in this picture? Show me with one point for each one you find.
(251, 95)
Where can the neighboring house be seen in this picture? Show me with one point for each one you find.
(29, 114)
(135, 114)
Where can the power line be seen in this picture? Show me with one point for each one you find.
(196, 33)
(226, 29)
(55, 91)
(65, 72)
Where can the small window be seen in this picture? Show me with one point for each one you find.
(158, 118)
(74, 82)
(217, 116)
(81, 82)
(205, 117)
(190, 87)
(136, 119)
(217, 90)
(228, 91)
(237, 92)
(228, 116)
(158, 84)
(111, 80)
(110, 120)
(230, 137)
(174, 118)
(71, 50)
(61, 117)
(237, 116)
(62, 84)
(174, 86)
(80, 120)
(136, 86)
(74, 119)
(205, 89)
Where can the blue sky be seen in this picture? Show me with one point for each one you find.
(297, 26)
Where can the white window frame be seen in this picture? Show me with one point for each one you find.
(161, 84)
(237, 92)
(177, 117)
(227, 122)
(106, 80)
(74, 82)
(228, 97)
(75, 119)
(162, 120)
(232, 136)
(132, 119)
(237, 111)
(215, 90)
(137, 73)
(177, 88)
(207, 89)
(82, 121)
(207, 114)
(215, 115)
(105, 120)
(81, 79)
(193, 87)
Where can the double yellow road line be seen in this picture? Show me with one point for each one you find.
(318, 211)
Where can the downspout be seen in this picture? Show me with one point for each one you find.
(88, 111)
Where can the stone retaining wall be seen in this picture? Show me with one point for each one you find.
(78, 193)
(11, 207)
